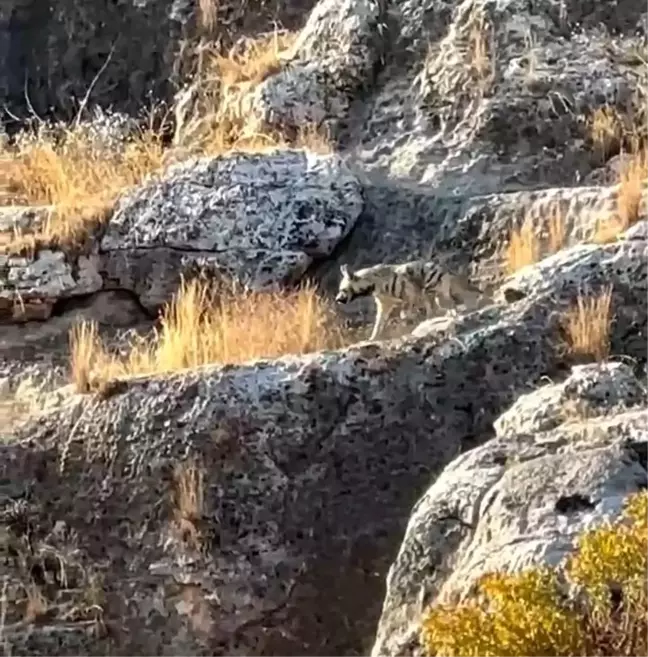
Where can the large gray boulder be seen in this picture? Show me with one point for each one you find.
(563, 460)
(261, 219)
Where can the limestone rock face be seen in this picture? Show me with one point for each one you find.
(333, 59)
(563, 460)
(261, 219)
(31, 285)
(311, 466)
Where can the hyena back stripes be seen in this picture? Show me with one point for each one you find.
(411, 283)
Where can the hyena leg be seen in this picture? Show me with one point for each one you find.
(383, 311)
(429, 306)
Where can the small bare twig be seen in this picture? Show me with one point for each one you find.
(84, 102)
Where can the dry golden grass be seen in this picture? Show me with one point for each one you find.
(208, 15)
(526, 244)
(35, 604)
(587, 326)
(481, 52)
(80, 180)
(213, 116)
(556, 230)
(607, 127)
(200, 327)
(253, 61)
(77, 178)
(632, 185)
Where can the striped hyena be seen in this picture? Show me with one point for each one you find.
(408, 284)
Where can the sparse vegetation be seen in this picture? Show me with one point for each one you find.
(79, 178)
(587, 326)
(35, 603)
(528, 244)
(528, 614)
(633, 181)
(608, 128)
(203, 325)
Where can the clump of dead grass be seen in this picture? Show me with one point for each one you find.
(80, 179)
(212, 114)
(207, 15)
(203, 325)
(77, 177)
(608, 128)
(527, 244)
(36, 606)
(587, 326)
(482, 57)
(632, 186)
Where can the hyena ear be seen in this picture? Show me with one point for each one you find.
(344, 270)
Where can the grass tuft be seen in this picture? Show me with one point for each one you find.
(527, 245)
(189, 501)
(632, 186)
(78, 177)
(607, 128)
(202, 325)
(587, 326)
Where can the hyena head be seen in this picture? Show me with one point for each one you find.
(352, 286)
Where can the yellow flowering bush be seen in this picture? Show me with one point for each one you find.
(528, 613)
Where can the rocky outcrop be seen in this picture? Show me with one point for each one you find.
(311, 466)
(334, 58)
(563, 460)
(257, 509)
(260, 219)
(30, 285)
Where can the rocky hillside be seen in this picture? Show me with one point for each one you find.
(249, 475)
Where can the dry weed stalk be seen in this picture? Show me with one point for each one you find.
(213, 114)
(202, 325)
(482, 58)
(36, 604)
(588, 324)
(632, 187)
(84, 348)
(189, 501)
(557, 230)
(208, 15)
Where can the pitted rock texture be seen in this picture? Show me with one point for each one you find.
(491, 94)
(261, 219)
(475, 97)
(333, 59)
(311, 467)
(522, 498)
(30, 285)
